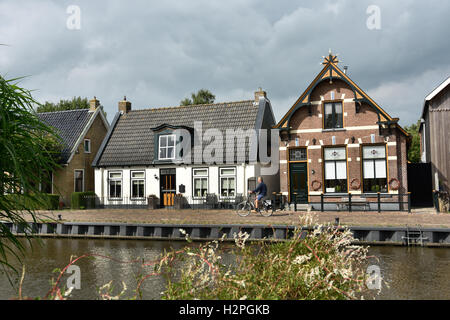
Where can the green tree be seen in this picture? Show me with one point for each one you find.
(27, 151)
(62, 105)
(202, 96)
(414, 148)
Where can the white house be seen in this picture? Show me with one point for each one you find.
(141, 154)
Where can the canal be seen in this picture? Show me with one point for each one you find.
(412, 273)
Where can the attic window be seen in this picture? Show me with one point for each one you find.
(87, 146)
(166, 147)
(333, 115)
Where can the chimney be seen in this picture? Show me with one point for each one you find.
(124, 106)
(94, 104)
(345, 69)
(260, 94)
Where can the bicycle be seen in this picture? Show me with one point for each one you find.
(244, 208)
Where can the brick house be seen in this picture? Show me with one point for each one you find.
(335, 140)
(82, 132)
(140, 154)
(435, 135)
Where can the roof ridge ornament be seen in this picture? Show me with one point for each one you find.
(331, 58)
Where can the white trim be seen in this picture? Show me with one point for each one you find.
(392, 143)
(86, 129)
(438, 89)
(283, 161)
(108, 180)
(84, 145)
(167, 146)
(314, 147)
(131, 183)
(392, 157)
(362, 127)
(74, 184)
(351, 128)
(199, 177)
(282, 148)
(353, 145)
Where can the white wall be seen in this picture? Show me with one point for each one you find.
(183, 176)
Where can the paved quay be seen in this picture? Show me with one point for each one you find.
(418, 217)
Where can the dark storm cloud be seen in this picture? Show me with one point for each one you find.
(159, 52)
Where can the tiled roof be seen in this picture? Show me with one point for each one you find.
(132, 140)
(69, 125)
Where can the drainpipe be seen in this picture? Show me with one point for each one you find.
(245, 185)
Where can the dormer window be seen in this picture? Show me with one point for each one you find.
(167, 147)
(333, 115)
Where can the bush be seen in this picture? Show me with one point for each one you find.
(83, 200)
(321, 264)
(46, 201)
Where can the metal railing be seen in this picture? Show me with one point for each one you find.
(209, 202)
(361, 202)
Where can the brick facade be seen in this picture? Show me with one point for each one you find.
(303, 127)
(63, 178)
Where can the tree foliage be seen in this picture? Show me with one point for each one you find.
(28, 149)
(62, 105)
(202, 96)
(414, 149)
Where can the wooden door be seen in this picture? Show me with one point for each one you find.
(298, 182)
(168, 187)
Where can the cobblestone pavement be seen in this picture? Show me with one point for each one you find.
(422, 217)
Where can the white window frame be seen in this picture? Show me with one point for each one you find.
(374, 160)
(115, 179)
(74, 180)
(89, 144)
(228, 177)
(201, 177)
(166, 147)
(136, 179)
(334, 164)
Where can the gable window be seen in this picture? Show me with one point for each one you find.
(115, 185)
(166, 147)
(137, 184)
(78, 180)
(333, 115)
(87, 146)
(227, 182)
(335, 166)
(200, 180)
(374, 169)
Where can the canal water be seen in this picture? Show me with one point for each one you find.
(412, 273)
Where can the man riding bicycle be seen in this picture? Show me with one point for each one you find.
(261, 189)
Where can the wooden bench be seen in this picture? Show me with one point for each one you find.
(357, 202)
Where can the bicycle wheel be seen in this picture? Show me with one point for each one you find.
(243, 209)
(266, 210)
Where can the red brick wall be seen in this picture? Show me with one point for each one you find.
(367, 116)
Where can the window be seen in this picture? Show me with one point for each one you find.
(227, 182)
(297, 154)
(78, 180)
(137, 184)
(200, 180)
(115, 185)
(333, 115)
(374, 169)
(167, 147)
(87, 146)
(335, 169)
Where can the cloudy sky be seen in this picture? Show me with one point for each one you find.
(158, 52)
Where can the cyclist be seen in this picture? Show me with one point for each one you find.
(261, 189)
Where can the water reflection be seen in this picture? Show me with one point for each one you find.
(412, 273)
